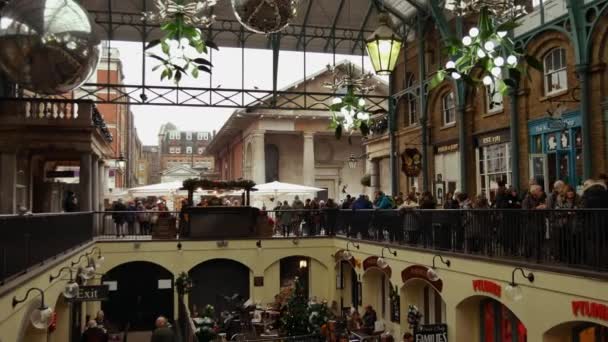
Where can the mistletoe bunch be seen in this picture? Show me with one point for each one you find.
(489, 52)
(349, 114)
(179, 20)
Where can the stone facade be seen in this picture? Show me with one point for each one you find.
(177, 147)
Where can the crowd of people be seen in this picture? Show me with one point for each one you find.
(134, 217)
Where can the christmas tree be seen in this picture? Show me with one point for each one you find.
(318, 316)
(295, 320)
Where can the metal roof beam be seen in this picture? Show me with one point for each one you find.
(417, 5)
(333, 26)
(360, 35)
(304, 25)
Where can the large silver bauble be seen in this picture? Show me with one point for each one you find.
(265, 16)
(48, 46)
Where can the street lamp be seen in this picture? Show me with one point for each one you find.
(121, 163)
(383, 46)
(353, 161)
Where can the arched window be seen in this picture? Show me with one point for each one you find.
(449, 109)
(556, 72)
(412, 102)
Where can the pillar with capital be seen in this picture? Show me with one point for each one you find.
(258, 164)
(8, 182)
(86, 182)
(308, 165)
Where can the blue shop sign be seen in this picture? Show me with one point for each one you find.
(546, 125)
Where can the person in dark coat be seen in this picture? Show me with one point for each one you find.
(94, 333)
(70, 203)
(118, 217)
(360, 220)
(595, 195)
(163, 332)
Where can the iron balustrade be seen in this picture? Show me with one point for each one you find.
(31, 240)
(569, 239)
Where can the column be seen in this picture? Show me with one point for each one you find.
(514, 139)
(582, 70)
(259, 158)
(374, 176)
(95, 182)
(308, 162)
(86, 184)
(101, 184)
(462, 144)
(8, 181)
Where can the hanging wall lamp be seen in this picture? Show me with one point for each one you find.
(513, 290)
(346, 255)
(42, 316)
(432, 272)
(384, 46)
(381, 262)
(71, 288)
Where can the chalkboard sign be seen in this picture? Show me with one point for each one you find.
(396, 309)
(431, 333)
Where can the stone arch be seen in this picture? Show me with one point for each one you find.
(469, 315)
(566, 331)
(375, 291)
(425, 296)
(435, 104)
(317, 273)
(216, 279)
(140, 291)
(348, 284)
(301, 253)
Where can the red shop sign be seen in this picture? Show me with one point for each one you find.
(487, 287)
(590, 310)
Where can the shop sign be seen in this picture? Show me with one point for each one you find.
(420, 272)
(431, 333)
(411, 162)
(95, 293)
(494, 138)
(547, 126)
(60, 174)
(487, 287)
(581, 308)
(446, 148)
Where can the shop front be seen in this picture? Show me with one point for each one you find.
(447, 170)
(556, 149)
(493, 157)
(424, 294)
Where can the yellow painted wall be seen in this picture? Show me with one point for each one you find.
(546, 304)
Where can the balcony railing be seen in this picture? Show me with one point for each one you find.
(574, 240)
(31, 240)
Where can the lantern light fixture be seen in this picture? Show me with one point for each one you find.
(432, 274)
(41, 317)
(346, 255)
(381, 262)
(121, 163)
(513, 291)
(384, 46)
(71, 288)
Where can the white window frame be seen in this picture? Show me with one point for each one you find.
(188, 135)
(171, 150)
(554, 72)
(412, 103)
(188, 149)
(199, 136)
(487, 174)
(497, 98)
(205, 136)
(201, 150)
(447, 109)
(178, 150)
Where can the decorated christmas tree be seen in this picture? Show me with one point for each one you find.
(318, 316)
(296, 319)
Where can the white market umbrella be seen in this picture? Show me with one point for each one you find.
(285, 188)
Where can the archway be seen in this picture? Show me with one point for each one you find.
(140, 291)
(485, 319)
(293, 267)
(216, 279)
(348, 283)
(426, 298)
(577, 331)
(271, 153)
(375, 292)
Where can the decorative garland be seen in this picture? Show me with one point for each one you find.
(413, 316)
(194, 183)
(488, 49)
(180, 21)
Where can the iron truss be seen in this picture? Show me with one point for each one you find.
(295, 37)
(203, 97)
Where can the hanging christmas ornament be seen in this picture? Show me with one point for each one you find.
(265, 16)
(349, 111)
(487, 55)
(48, 46)
(183, 42)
